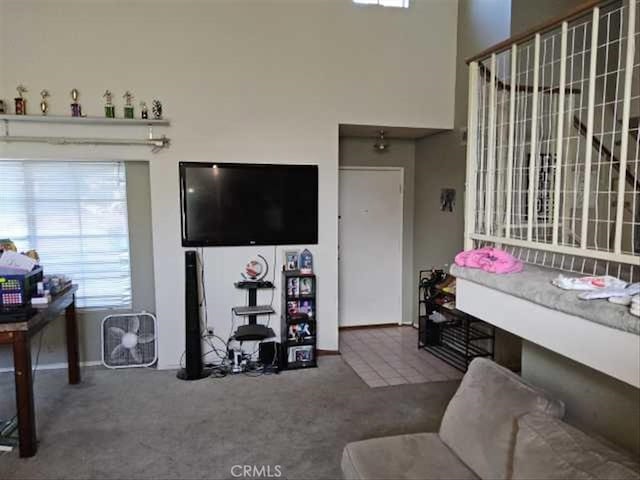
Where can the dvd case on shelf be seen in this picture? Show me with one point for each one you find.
(303, 353)
(306, 286)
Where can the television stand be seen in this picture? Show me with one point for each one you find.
(253, 331)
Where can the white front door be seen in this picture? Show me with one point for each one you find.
(370, 246)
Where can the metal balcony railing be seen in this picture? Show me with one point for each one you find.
(553, 170)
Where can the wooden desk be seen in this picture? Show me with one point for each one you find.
(19, 336)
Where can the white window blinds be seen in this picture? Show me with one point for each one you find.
(75, 215)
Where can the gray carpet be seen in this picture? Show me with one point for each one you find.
(147, 424)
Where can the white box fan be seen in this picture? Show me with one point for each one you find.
(129, 340)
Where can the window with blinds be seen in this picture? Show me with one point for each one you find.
(385, 3)
(75, 215)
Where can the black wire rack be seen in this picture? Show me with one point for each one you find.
(455, 337)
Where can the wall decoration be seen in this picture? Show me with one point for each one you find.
(44, 106)
(128, 107)
(463, 136)
(156, 107)
(76, 109)
(20, 101)
(447, 199)
(109, 108)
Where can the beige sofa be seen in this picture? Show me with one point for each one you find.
(495, 427)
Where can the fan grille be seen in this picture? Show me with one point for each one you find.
(147, 352)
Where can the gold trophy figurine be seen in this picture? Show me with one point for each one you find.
(144, 111)
(109, 108)
(76, 109)
(44, 106)
(20, 102)
(128, 107)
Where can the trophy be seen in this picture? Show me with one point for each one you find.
(156, 106)
(128, 108)
(144, 111)
(44, 106)
(3, 110)
(21, 103)
(109, 109)
(76, 109)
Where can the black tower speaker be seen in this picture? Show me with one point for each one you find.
(193, 347)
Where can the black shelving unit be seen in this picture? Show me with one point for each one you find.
(298, 325)
(252, 309)
(253, 331)
(460, 337)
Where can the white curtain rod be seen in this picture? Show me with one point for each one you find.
(156, 143)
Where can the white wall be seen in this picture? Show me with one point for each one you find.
(242, 81)
(441, 158)
(594, 401)
(360, 152)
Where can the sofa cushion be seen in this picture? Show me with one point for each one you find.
(549, 448)
(419, 456)
(480, 422)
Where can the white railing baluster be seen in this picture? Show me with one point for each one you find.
(472, 146)
(508, 194)
(589, 136)
(626, 111)
(531, 199)
(510, 149)
(491, 152)
(560, 134)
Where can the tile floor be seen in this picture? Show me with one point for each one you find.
(390, 356)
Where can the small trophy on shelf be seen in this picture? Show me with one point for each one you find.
(76, 109)
(3, 109)
(144, 111)
(44, 106)
(21, 103)
(156, 106)
(109, 108)
(128, 107)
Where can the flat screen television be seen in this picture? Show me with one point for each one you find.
(227, 204)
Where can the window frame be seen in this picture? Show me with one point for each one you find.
(30, 239)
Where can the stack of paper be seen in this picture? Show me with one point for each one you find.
(12, 263)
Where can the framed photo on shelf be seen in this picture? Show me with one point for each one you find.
(305, 262)
(291, 260)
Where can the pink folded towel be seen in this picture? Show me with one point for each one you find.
(489, 259)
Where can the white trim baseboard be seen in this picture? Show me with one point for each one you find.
(56, 366)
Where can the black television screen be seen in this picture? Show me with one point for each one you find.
(224, 204)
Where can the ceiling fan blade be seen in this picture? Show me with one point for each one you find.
(134, 324)
(118, 351)
(135, 354)
(146, 338)
(117, 332)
